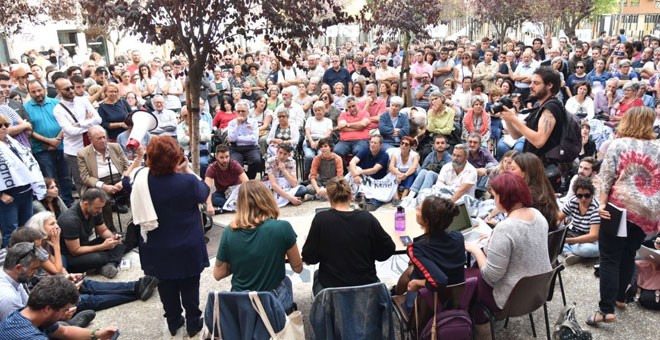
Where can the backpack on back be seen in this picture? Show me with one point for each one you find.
(570, 143)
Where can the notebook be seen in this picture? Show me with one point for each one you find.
(616, 225)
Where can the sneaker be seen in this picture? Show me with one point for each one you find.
(218, 211)
(109, 271)
(395, 202)
(82, 319)
(572, 259)
(308, 198)
(146, 287)
(361, 201)
(407, 202)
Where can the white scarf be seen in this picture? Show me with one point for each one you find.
(17, 171)
(144, 213)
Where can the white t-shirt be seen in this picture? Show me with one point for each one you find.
(318, 129)
(403, 167)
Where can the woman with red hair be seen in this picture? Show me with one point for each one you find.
(173, 248)
(518, 246)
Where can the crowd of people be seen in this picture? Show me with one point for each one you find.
(482, 127)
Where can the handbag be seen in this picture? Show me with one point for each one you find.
(293, 328)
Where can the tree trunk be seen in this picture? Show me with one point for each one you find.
(192, 103)
(405, 68)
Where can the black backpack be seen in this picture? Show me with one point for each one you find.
(571, 139)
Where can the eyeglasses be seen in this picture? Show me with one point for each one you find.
(370, 91)
(382, 61)
(405, 143)
(325, 98)
(7, 125)
(581, 196)
(282, 116)
(31, 250)
(577, 67)
(241, 111)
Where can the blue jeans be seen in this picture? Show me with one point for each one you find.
(425, 179)
(53, 164)
(502, 148)
(343, 148)
(15, 214)
(97, 295)
(218, 198)
(284, 293)
(309, 157)
(588, 250)
(408, 182)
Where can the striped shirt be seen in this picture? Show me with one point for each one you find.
(581, 223)
(16, 326)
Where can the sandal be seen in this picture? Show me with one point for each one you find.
(621, 305)
(594, 319)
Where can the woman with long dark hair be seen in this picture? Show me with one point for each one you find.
(529, 167)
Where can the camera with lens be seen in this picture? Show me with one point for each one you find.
(499, 106)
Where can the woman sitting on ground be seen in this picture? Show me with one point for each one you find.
(52, 202)
(345, 242)
(438, 256)
(582, 209)
(517, 248)
(253, 249)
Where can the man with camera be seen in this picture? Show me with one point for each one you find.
(542, 129)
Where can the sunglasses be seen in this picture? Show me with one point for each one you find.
(31, 250)
(7, 125)
(68, 88)
(406, 144)
(581, 196)
(577, 67)
(325, 98)
(281, 116)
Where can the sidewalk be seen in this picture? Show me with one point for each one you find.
(144, 320)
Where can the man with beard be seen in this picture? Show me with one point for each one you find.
(222, 175)
(542, 128)
(78, 223)
(50, 301)
(74, 115)
(47, 136)
(459, 176)
(136, 60)
(442, 68)
(588, 168)
(430, 168)
(523, 75)
(17, 271)
(14, 111)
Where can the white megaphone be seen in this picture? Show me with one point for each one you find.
(143, 122)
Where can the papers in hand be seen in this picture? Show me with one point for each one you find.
(616, 225)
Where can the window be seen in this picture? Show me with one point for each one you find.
(634, 3)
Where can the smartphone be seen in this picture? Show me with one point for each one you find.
(82, 277)
(115, 336)
(405, 240)
(619, 53)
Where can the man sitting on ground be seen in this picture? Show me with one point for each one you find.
(282, 178)
(325, 166)
(458, 177)
(372, 162)
(430, 168)
(482, 160)
(78, 223)
(224, 174)
(48, 303)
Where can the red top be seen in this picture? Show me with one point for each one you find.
(222, 119)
